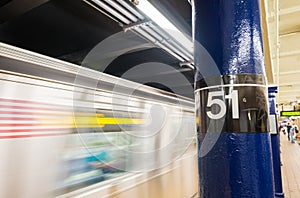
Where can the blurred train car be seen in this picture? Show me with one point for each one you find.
(69, 131)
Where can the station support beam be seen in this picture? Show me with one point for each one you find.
(275, 140)
(234, 146)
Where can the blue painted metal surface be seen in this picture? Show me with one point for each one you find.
(230, 31)
(275, 140)
(272, 90)
(239, 164)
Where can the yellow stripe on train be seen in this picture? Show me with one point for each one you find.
(100, 122)
(84, 121)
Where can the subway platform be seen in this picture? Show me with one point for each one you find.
(290, 158)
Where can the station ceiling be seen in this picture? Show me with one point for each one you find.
(70, 30)
(284, 36)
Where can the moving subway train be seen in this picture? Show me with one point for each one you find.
(69, 131)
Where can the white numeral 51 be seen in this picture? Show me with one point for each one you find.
(212, 100)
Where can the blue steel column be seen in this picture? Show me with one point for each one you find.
(239, 164)
(275, 144)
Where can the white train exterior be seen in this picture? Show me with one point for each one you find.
(69, 131)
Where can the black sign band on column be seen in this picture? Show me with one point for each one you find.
(254, 79)
(241, 107)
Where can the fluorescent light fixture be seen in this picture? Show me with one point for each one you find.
(149, 10)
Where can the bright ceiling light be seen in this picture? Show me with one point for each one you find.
(149, 10)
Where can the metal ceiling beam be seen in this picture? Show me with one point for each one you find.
(291, 33)
(290, 10)
(290, 53)
(289, 84)
(290, 72)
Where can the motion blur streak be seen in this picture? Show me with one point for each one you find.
(66, 140)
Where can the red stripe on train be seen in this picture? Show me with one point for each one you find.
(33, 113)
(32, 130)
(34, 108)
(30, 136)
(18, 125)
(18, 119)
(31, 124)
